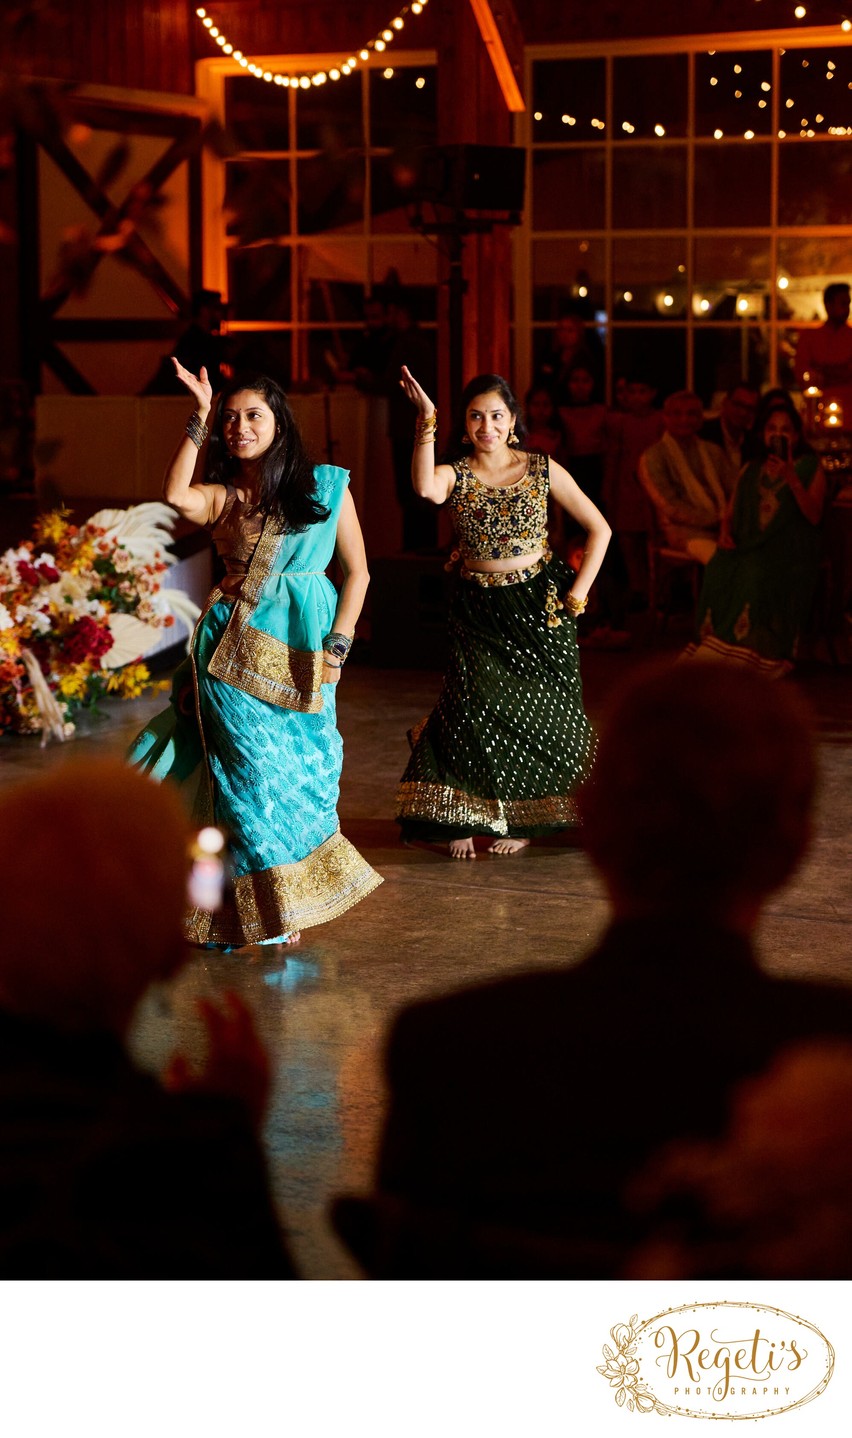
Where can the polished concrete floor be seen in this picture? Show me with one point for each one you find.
(433, 924)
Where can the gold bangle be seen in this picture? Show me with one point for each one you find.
(574, 605)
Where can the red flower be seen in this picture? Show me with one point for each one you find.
(87, 640)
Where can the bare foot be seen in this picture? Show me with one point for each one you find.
(507, 846)
(462, 849)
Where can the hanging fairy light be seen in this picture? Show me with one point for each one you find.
(377, 45)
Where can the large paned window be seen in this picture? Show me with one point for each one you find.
(690, 203)
(310, 209)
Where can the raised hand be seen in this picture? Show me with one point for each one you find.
(236, 1063)
(415, 392)
(198, 385)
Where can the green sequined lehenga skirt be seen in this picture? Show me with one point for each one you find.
(508, 742)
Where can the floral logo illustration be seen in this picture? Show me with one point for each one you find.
(622, 1370)
(729, 1360)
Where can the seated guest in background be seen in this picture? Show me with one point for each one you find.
(201, 343)
(730, 428)
(545, 430)
(632, 429)
(686, 479)
(759, 585)
(585, 420)
(518, 1109)
(103, 1172)
(772, 1198)
(368, 358)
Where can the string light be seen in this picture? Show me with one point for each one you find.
(384, 38)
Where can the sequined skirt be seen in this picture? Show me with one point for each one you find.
(508, 742)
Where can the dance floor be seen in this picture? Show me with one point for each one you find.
(323, 1007)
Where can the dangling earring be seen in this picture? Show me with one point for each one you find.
(513, 438)
(466, 439)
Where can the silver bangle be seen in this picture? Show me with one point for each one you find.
(196, 429)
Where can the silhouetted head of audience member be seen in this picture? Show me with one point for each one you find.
(836, 299)
(770, 1198)
(94, 860)
(701, 796)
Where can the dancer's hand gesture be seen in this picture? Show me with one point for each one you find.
(198, 385)
(416, 393)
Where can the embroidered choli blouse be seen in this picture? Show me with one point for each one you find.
(500, 523)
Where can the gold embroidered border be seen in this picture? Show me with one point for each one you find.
(438, 804)
(256, 662)
(277, 901)
(711, 647)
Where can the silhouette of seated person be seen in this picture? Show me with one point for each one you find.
(519, 1108)
(731, 428)
(687, 479)
(201, 343)
(770, 1198)
(368, 358)
(106, 1172)
(572, 343)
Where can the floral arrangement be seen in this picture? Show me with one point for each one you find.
(80, 607)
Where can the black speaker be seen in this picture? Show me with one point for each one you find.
(472, 177)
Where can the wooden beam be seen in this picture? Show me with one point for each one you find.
(497, 28)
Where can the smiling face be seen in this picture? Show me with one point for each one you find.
(779, 422)
(248, 424)
(488, 421)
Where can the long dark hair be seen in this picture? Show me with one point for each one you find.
(286, 484)
(800, 444)
(483, 384)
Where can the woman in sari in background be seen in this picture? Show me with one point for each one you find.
(759, 585)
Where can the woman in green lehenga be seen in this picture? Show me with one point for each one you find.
(759, 585)
(508, 742)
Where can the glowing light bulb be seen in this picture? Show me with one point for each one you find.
(419, 83)
(742, 305)
(738, 69)
(765, 85)
(713, 80)
(627, 296)
(582, 291)
(387, 35)
(538, 115)
(704, 306)
(388, 74)
(363, 54)
(208, 23)
(749, 135)
(783, 282)
(846, 25)
(717, 134)
(668, 301)
(800, 12)
(659, 129)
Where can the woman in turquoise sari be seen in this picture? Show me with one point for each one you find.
(251, 731)
(759, 585)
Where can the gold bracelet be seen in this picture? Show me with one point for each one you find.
(574, 605)
(427, 425)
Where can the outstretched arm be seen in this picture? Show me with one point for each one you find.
(568, 493)
(352, 558)
(430, 481)
(199, 503)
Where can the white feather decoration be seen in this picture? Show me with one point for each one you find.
(132, 639)
(182, 607)
(144, 529)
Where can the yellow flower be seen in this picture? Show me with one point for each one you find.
(129, 682)
(73, 684)
(50, 528)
